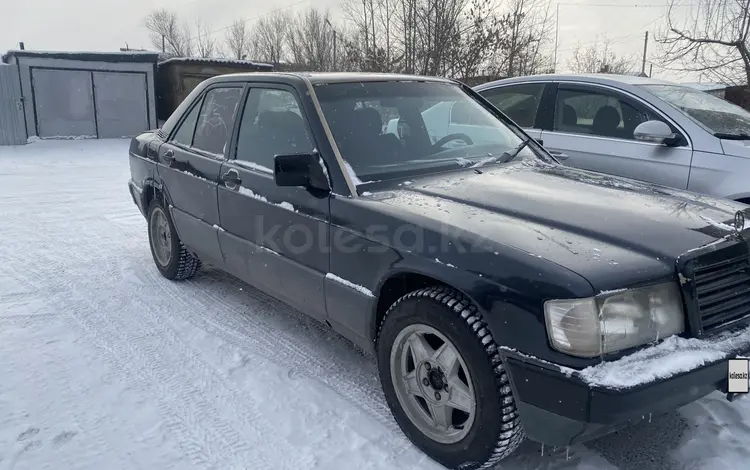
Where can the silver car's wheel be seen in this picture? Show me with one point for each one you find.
(161, 240)
(433, 383)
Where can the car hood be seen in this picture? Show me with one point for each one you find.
(611, 230)
(736, 148)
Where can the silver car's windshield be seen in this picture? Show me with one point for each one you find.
(719, 116)
(389, 128)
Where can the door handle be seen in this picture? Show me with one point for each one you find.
(231, 179)
(559, 155)
(169, 156)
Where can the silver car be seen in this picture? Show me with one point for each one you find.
(636, 127)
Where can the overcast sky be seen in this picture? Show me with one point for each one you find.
(107, 25)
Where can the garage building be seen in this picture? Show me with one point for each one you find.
(86, 94)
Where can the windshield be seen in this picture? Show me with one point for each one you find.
(717, 115)
(388, 129)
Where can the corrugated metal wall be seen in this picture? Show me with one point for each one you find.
(12, 125)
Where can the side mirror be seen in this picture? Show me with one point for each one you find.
(656, 132)
(301, 169)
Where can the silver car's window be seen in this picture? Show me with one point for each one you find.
(597, 113)
(717, 115)
(518, 102)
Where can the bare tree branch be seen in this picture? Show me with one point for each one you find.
(270, 37)
(205, 43)
(712, 40)
(237, 40)
(167, 35)
(594, 58)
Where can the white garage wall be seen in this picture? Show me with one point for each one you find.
(25, 65)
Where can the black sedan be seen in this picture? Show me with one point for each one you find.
(504, 295)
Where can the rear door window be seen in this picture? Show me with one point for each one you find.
(216, 120)
(518, 102)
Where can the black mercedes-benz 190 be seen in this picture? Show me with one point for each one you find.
(504, 295)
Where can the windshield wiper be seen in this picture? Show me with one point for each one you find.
(740, 136)
(504, 157)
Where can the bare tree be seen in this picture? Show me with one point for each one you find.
(526, 36)
(310, 39)
(205, 44)
(594, 58)
(237, 40)
(712, 40)
(270, 37)
(167, 34)
(479, 41)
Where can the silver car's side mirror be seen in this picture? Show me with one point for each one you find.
(656, 132)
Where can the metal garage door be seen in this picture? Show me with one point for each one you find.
(120, 104)
(12, 126)
(64, 103)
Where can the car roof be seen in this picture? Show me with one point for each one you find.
(599, 78)
(321, 78)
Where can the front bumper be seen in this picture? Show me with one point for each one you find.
(560, 408)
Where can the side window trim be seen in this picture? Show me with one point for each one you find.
(625, 97)
(232, 150)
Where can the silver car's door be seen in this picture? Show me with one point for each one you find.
(593, 129)
(520, 102)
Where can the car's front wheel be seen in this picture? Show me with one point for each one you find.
(170, 255)
(444, 380)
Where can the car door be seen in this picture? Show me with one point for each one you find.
(275, 238)
(521, 102)
(593, 126)
(189, 165)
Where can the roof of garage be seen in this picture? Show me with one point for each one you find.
(240, 64)
(127, 57)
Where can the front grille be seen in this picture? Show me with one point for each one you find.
(722, 291)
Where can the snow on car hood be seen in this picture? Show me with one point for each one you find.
(594, 224)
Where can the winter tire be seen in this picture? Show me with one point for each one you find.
(170, 255)
(444, 380)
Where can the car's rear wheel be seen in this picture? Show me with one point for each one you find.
(170, 255)
(444, 380)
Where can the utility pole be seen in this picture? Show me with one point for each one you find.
(651, 70)
(163, 44)
(557, 35)
(334, 51)
(645, 48)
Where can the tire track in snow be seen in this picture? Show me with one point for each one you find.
(117, 269)
(275, 345)
(261, 432)
(205, 447)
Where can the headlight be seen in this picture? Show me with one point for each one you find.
(614, 321)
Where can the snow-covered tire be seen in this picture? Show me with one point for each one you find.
(495, 430)
(179, 264)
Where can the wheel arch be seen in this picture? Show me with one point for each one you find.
(402, 281)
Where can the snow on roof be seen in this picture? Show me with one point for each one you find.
(217, 61)
(89, 56)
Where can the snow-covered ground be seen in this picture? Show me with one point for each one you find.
(106, 365)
